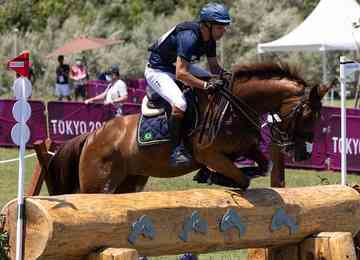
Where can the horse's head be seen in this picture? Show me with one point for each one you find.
(299, 122)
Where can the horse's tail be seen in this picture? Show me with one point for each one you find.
(63, 167)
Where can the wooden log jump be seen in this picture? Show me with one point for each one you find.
(165, 223)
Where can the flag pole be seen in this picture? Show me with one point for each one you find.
(20, 198)
(20, 135)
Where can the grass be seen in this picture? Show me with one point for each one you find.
(294, 178)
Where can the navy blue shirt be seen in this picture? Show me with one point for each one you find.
(183, 41)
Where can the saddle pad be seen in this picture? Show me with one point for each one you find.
(153, 130)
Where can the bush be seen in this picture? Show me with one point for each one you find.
(4, 245)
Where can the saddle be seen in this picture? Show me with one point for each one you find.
(155, 111)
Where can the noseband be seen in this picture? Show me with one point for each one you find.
(285, 138)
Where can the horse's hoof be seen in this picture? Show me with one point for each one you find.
(245, 186)
(202, 176)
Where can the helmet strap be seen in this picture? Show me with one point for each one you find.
(211, 32)
(210, 26)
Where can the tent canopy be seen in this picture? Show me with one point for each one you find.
(82, 44)
(328, 27)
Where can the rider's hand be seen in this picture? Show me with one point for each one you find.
(226, 75)
(213, 85)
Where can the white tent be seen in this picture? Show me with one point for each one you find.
(328, 27)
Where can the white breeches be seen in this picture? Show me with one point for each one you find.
(164, 84)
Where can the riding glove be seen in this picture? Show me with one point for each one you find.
(225, 75)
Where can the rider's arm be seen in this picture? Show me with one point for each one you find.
(214, 66)
(183, 74)
(96, 98)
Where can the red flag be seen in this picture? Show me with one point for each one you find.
(20, 64)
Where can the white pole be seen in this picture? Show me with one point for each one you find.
(343, 119)
(324, 67)
(16, 30)
(21, 205)
(324, 74)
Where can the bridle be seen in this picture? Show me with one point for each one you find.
(284, 138)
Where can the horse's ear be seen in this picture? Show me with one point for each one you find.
(323, 89)
(314, 96)
(318, 92)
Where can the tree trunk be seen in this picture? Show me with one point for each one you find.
(72, 226)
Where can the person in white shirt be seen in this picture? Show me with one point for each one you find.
(115, 93)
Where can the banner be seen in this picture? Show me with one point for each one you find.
(36, 123)
(322, 143)
(95, 87)
(319, 155)
(334, 142)
(69, 119)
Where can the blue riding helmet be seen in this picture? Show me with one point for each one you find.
(215, 13)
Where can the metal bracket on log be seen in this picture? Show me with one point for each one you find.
(143, 226)
(194, 223)
(232, 220)
(280, 219)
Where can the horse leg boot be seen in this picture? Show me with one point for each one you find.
(179, 155)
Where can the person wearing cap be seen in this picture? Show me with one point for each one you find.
(62, 87)
(79, 75)
(172, 57)
(115, 93)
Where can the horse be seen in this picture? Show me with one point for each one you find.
(110, 160)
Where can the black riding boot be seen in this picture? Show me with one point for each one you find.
(179, 155)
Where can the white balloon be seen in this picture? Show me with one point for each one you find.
(18, 88)
(21, 107)
(18, 130)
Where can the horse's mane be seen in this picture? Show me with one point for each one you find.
(268, 71)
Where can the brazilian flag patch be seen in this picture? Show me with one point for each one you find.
(147, 136)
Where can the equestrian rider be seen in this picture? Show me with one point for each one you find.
(171, 59)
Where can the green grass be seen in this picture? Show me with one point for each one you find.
(349, 103)
(294, 178)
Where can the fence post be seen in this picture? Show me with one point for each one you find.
(114, 254)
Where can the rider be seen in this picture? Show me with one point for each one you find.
(171, 58)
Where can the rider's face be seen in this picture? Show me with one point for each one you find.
(218, 31)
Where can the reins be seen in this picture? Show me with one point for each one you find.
(218, 105)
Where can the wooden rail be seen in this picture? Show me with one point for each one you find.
(164, 223)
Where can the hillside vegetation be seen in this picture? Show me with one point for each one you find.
(44, 25)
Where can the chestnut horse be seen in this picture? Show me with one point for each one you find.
(109, 160)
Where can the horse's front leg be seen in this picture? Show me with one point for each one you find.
(264, 164)
(221, 164)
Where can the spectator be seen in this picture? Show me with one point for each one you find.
(105, 76)
(115, 93)
(79, 75)
(62, 87)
